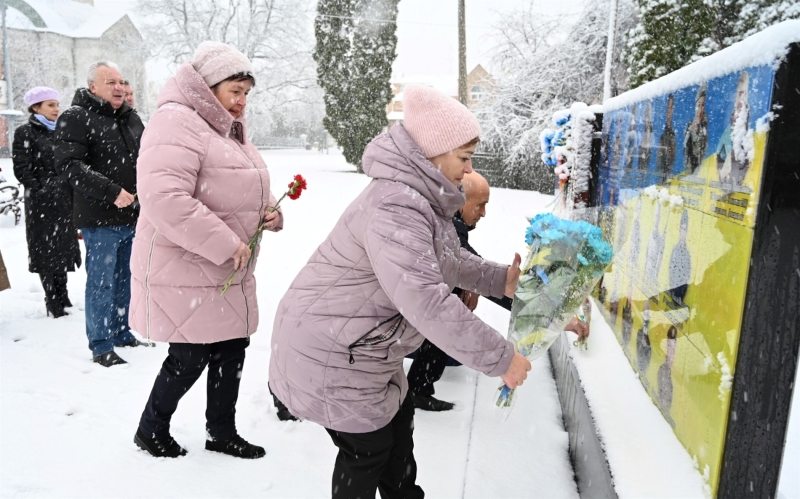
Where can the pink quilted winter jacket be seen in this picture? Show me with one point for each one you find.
(202, 191)
(379, 284)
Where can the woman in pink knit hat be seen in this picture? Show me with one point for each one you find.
(204, 190)
(377, 287)
(52, 238)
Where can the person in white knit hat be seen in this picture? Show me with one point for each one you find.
(204, 191)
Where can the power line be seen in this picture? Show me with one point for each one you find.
(389, 21)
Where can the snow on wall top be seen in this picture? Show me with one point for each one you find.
(766, 47)
(69, 18)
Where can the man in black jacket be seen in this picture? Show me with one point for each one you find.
(430, 361)
(96, 148)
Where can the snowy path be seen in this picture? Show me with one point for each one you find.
(66, 425)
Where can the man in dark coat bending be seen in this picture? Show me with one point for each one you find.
(430, 361)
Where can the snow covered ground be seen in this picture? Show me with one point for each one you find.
(66, 424)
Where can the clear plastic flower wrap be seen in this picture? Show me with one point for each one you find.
(565, 262)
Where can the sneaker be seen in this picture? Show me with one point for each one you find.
(428, 403)
(109, 359)
(136, 343)
(158, 447)
(236, 447)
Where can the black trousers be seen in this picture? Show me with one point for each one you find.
(379, 460)
(55, 289)
(184, 364)
(427, 369)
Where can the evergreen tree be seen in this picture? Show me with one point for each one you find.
(667, 38)
(355, 50)
(673, 34)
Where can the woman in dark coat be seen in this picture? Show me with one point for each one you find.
(52, 239)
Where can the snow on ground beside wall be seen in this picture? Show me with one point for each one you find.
(789, 483)
(66, 424)
(638, 442)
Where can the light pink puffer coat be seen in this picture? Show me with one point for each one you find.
(202, 190)
(371, 293)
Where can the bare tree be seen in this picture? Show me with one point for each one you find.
(543, 65)
(276, 35)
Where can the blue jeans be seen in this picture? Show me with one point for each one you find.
(108, 286)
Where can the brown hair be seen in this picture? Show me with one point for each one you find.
(246, 76)
(471, 143)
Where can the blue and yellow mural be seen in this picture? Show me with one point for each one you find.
(680, 175)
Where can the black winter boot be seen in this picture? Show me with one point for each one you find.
(158, 447)
(109, 359)
(429, 403)
(236, 447)
(61, 289)
(52, 300)
(283, 411)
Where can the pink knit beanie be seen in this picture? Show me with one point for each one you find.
(39, 94)
(437, 123)
(215, 61)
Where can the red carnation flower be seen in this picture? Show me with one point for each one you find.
(296, 187)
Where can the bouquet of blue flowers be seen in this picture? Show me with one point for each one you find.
(565, 262)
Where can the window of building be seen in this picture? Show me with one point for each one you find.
(477, 93)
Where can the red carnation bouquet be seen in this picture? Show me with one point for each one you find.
(296, 187)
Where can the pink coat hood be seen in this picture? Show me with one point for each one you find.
(375, 289)
(203, 188)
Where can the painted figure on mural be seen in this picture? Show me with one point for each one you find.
(620, 219)
(736, 149)
(654, 254)
(618, 139)
(632, 270)
(695, 140)
(665, 157)
(646, 146)
(631, 141)
(680, 264)
(665, 371)
(643, 348)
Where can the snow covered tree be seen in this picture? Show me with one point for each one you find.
(536, 76)
(274, 34)
(735, 20)
(674, 33)
(355, 50)
(667, 38)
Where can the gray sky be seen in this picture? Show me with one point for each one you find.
(428, 37)
(427, 33)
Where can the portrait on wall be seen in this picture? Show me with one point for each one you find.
(695, 140)
(665, 157)
(736, 145)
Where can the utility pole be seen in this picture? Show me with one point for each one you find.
(612, 33)
(462, 53)
(9, 114)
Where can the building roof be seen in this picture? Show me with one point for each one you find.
(67, 17)
(447, 84)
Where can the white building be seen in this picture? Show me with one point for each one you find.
(53, 42)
